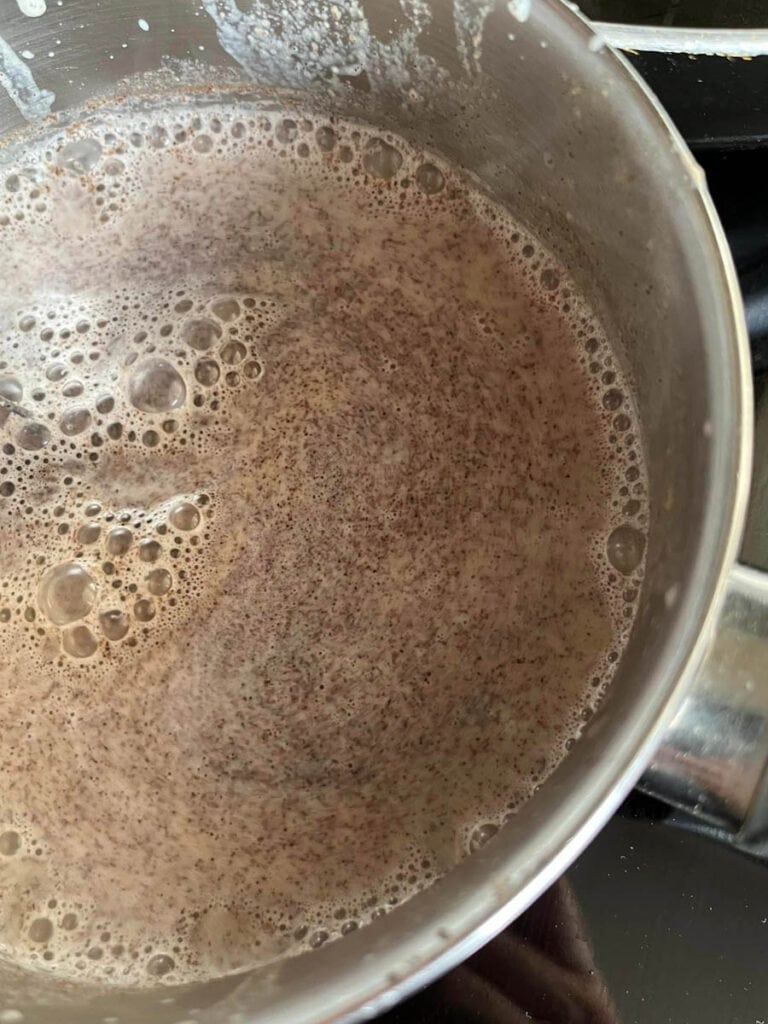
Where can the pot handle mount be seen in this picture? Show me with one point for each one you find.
(713, 760)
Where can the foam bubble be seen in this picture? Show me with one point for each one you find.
(207, 372)
(430, 179)
(233, 352)
(227, 310)
(381, 160)
(625, 548)
(66, 593)
(150, 550)
(75, 421)
(160, 965)
(33, 436)
(184, 516)
(114, 624)
(80, 156)
(201, 334)
(41, 930)
(156, 386)
(159, 582)
(79, 641)
(119, 540)
(144, 610)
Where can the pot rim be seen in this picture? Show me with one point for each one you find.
(723, 42)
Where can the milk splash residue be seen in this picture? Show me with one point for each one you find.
(328, 40)
(32, 8)
(17, 80)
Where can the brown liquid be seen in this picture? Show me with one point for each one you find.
(307, 588)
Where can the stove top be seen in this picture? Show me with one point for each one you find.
(652, 925)
(655, 923)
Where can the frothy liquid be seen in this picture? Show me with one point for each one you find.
(322, 520)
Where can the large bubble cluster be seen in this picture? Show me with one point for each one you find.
(227, 330)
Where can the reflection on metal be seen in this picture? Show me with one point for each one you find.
(733, 42)
(713, 760)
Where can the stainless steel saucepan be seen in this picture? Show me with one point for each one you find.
(558, 127)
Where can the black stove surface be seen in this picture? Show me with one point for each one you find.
(654, 924)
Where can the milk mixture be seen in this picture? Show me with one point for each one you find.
(322, 513)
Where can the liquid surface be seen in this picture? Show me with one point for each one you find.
(321, 531)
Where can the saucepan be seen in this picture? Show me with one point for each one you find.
(554, 124)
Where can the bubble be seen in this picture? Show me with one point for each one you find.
(625, 549)
(88, 534)
(287, 130)
(156, 386)
(207, 372)
(184, 516)
(69, 922)
(346, 154)
(622, 422)
(144, 610)
(114, 624)
(613, 399)
(105, 405)
(226, 309)
(11, 389)
(66, 593)
(6, 489)
(33, 436)
(481, 835)
(73, 389)
(232, 379)
(233, 352)
(430, 179)
(119, 540)
(158, 137)
(5, 614)
(80, 156)
(381, 160)
(325, 138)
(150, 438)
(159, 582)
(150, 550)
(160, 964)
(56, 372)
(9, 843)
(201, 334)
(75, 422)
(115, 431)
(79, 641)
(550, 279)
(253, 369)
(41, 930)
(318, 939)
